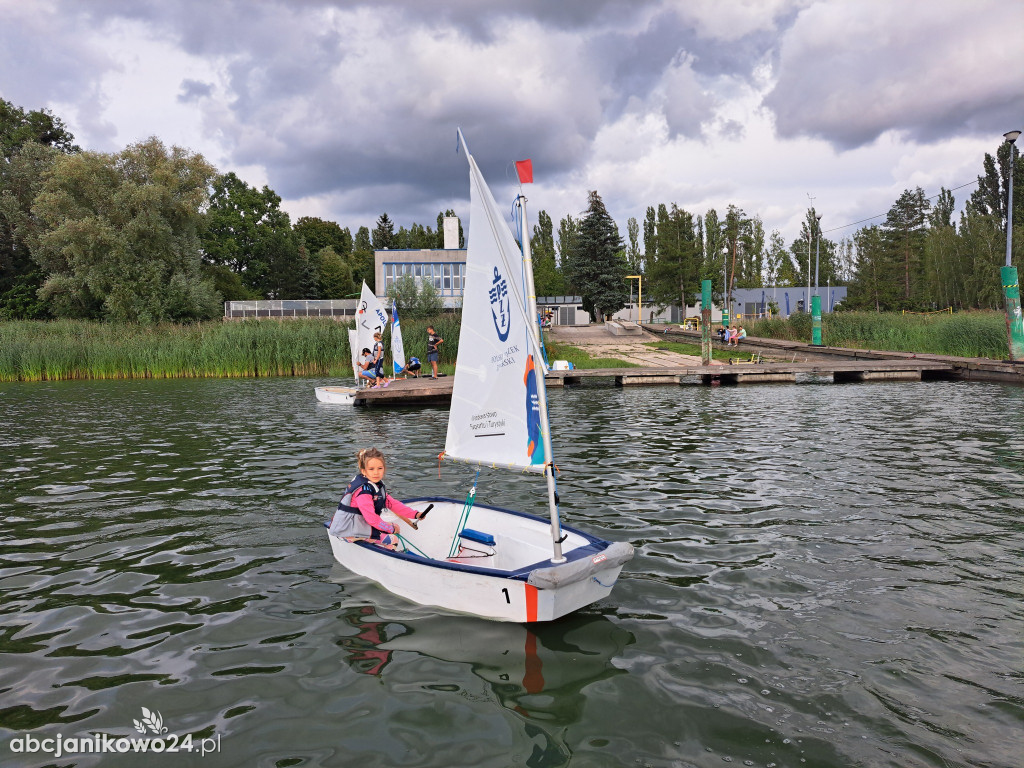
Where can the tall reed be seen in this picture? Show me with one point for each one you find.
(74, 349)
(964, 334)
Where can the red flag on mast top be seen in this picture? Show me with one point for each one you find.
(525, 170)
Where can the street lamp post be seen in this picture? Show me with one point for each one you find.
(640, 295)
(816, 299)
(817, 247)
(1011, 289)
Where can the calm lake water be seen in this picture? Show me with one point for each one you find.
(826, 575)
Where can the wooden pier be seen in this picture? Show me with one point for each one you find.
(760, 373)
(426, 391)
(416, 392)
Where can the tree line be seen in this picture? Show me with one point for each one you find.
(917, 259)
(153, 233)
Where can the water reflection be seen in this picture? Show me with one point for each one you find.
(539, 671)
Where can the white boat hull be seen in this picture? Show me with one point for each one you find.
(513, 580)
(338, 395)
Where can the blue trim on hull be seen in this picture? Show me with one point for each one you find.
(594, 546)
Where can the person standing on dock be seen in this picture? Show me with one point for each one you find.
(433, 340)
(378, 361)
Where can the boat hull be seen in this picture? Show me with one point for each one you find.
(511, 583)
(337, 395)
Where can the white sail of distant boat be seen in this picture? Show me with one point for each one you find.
(343, 395)
(371, 317)
(397, 346)
(354, 349)
(469, 556)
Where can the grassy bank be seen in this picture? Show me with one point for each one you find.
(965, 334)
(580, 358)
(694, 350)
(67, 349)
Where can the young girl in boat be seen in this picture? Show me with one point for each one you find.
(365, 499)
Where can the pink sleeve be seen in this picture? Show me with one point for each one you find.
(364, 503)
(404, 510)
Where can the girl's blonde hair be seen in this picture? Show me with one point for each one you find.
(370, 453)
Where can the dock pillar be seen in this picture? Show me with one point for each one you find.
(816, 320)
(705, 322)
(1014, 323)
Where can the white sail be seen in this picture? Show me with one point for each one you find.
(370, 318)
(494, 417)
(397, 345)
(353, 345)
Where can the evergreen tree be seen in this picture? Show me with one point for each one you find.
(905, 231)
(384, 233)
(597, 262)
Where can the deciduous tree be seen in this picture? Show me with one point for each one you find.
(118, 235)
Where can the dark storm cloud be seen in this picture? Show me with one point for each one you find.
(300, 104)
(44, 59)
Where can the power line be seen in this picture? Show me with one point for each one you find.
(880, 215)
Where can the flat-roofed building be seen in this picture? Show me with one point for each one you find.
(444, 268)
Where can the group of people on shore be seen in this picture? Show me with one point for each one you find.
(732, 337)
(371, 362)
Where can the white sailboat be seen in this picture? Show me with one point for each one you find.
(471, 557)
(344, 395)
(371, 318)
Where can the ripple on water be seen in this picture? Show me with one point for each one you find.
(827, 574)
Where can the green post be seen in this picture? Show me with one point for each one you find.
(816, 320)
(1014, 325)
(705, 322)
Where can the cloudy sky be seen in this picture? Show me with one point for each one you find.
(349, 109)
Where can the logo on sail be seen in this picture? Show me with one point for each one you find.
(534, 443)
(500, 308)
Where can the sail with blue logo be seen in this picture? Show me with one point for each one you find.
(397, 345)
(494, 418)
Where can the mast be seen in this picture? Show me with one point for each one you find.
(542, 398)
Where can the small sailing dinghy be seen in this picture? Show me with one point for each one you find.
(471, 557)
(343, 395)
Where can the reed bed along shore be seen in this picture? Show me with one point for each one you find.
(964, 334)
(73, 349)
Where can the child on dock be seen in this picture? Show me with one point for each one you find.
(378, 361)
(366, 369)
(433, 340)
(366, 498)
